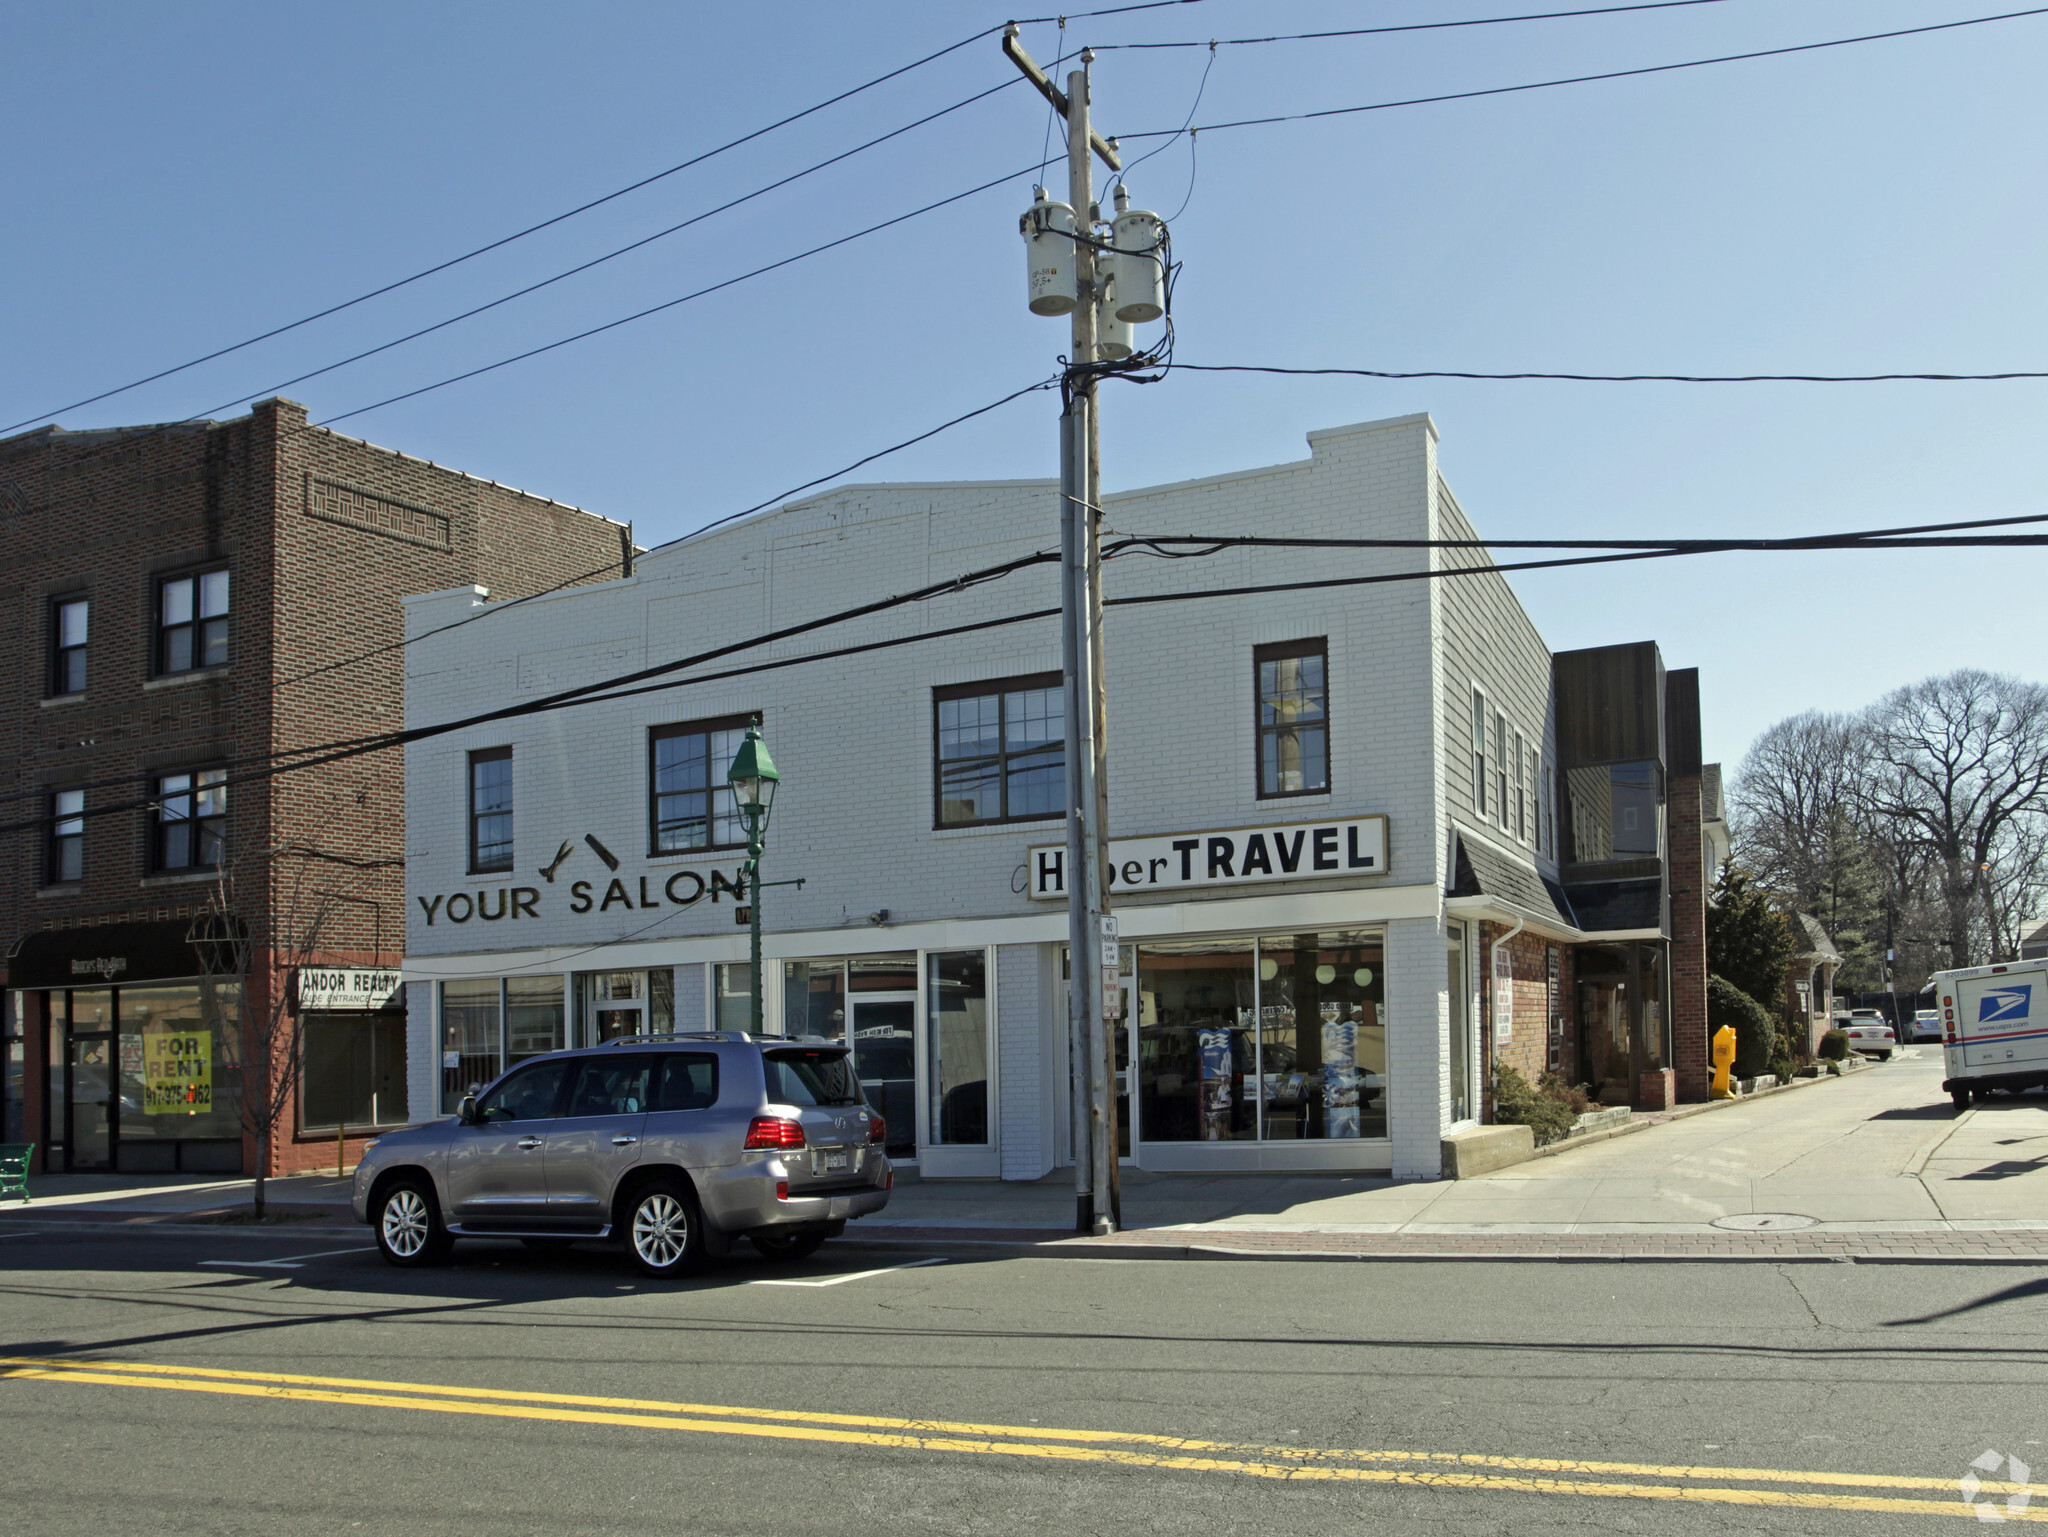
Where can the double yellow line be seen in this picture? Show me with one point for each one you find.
(1440, 1470)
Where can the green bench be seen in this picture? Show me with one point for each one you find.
(14, 1157)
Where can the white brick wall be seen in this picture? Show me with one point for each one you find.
(853, 736)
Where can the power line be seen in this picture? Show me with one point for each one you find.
(611, 255)
(581, 208)
(1612, 74)
(1375, 373)
(656, 309)
(624, 685)
(1413, 26)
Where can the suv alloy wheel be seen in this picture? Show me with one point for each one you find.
(408, 1224)
(663, 1234)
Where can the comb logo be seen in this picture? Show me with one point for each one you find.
(2003, 1003)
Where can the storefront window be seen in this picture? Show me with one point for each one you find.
(735, 998)
(354, 1070)
(535, 1017)
(14, 1045)
(1322, 1037)
(814, 998)
(661, 1001)
(177, 1061)
(1196, 1050)
(470, 1038)
(956, 1022)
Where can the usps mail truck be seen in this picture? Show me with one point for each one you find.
(1994, 1028)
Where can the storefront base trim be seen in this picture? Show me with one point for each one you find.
(1373, 1156)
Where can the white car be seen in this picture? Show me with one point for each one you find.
(1870, 1034)
(1926, 1025)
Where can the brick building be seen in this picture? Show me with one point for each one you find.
(183, 603)
(1368, 840)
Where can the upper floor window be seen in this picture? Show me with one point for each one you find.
(68, 626)
(1521, 788)
(691, 805)
(66, 862)
(1294, 718)
(1478, 752)
(1549, 811)
(490, 810)
(192, 622)
(191, 820)
(1614, 811)
(1501, 746)
(1000, 750)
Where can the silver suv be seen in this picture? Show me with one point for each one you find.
(677, 1144)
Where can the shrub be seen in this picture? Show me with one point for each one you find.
(1783, 1057)
(1756, 1033)
(1516, 1103)
(1834, 1045)
(1575, 1098)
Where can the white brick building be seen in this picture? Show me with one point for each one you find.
(1332, 988)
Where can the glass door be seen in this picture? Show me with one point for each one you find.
(92, 1102)
(885, 1057)
(617, 1005)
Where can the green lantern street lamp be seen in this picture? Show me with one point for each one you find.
(753, 779)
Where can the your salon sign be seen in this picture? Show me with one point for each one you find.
(1296, 851)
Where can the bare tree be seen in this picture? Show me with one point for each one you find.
(1794, 799)
(260, 962)
(1957, 767)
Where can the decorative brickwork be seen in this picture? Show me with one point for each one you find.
(337, 503)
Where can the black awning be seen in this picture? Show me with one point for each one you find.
(105, 955)
(1478, 870)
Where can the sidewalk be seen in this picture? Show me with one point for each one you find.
(1872, 1166)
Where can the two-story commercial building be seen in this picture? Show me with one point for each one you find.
(1367, 840)
(188, 605)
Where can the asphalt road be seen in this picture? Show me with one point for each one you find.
(515, 1392)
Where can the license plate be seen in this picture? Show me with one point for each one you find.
(836, 1158)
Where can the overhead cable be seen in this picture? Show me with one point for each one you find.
(640, 681)
(1612, 74)
(1443, 373)
(1412, 26)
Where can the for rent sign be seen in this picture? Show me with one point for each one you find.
(1299, 851)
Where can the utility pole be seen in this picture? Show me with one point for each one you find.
(1092, 987)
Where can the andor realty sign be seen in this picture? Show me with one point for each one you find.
(347, 987)
(1298, 851)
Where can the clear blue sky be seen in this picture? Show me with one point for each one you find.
(180, 177)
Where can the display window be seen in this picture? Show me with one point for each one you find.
(1271, 1038)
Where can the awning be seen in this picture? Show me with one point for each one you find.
(105, 955)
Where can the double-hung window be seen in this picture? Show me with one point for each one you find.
(1478, 752)
(1000, 750)
(1502, 809)
(192, 622)
(68, 626)
(1521, 788)
(690, 805)
(490, 810)
(191, 820)
(1549, 810)
(66, 861)
(1294, 718)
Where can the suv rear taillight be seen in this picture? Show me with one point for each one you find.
(770, 1132)
(878, 1129)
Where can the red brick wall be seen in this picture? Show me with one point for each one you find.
(1528, 1050)
(323, 535)
(1688, 884)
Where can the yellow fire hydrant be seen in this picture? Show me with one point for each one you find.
(1724, 1060)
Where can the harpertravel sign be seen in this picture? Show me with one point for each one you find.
(1297, 851)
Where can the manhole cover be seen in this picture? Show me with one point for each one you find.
(1766, 1222)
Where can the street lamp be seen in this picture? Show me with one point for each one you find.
(753, 779)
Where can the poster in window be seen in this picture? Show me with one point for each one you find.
(177, 1072)
(1340, 1078)
(1503, 995)
(1213, 1047)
